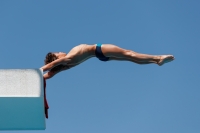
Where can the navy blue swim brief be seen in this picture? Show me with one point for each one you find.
(99, 53)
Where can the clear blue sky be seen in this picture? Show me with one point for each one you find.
(110, 97)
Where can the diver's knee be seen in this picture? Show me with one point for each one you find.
(129, 53)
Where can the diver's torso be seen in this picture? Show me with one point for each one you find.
(81, 53)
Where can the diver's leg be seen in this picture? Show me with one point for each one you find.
(123, 59)
(111, 50)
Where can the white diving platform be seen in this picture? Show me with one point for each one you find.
(22, 99)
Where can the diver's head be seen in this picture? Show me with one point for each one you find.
(50, 57)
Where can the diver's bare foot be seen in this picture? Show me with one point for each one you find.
(165, 58)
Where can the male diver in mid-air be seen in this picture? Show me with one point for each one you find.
(57, 62)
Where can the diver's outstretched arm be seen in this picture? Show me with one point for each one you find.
(61, 61)
(51, 73)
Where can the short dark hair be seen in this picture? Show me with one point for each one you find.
(50, 57)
